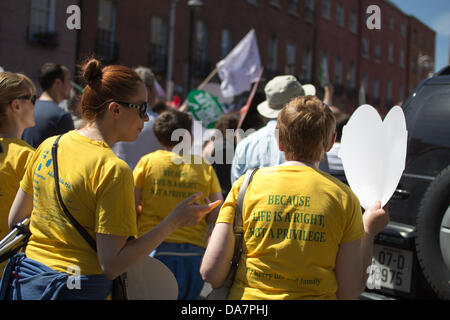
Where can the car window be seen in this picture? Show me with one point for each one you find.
(428, 115)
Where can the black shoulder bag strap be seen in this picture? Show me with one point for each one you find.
(119, 288)
(238, 226)
(72, 220)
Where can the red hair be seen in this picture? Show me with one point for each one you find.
(106, 84)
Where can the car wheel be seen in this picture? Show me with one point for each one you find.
(433, 224)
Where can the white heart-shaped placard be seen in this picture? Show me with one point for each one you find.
(373, 153)
(150, 279)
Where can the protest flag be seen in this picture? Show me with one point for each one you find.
(241, 67)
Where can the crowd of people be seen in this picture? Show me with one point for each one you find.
(110, 153)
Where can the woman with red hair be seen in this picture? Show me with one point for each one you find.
(97, 189)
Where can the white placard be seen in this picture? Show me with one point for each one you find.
(373, 153)
(150, 279)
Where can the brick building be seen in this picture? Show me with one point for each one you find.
(294, 36)
(33, 33)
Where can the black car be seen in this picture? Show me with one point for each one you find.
(411, 257)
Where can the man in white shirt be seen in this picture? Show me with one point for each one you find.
(260, 149)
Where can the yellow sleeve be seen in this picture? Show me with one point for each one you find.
(227, 212)
(24, 161)
(354, 227)
(139, 173)
(115, 211)
(26, 183)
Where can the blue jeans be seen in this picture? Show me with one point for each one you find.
(184, 261)
(27, 279)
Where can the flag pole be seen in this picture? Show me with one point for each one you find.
(245, 109)
(200, 87)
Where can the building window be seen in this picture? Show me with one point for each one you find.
(290, 58)
(323, 68)
(402, 58)
(226, 44)
(391, 52)
(391, 23)
(253, 2)
(389, 94)
(403, 30)
(293, 7)
(400, 93)
(338, 70)
(353, 22)
(106, 46)
(276, 3)
(42, 22)
(365, 46)
(273, 52)
(365, 82)
(340, 14)
(307, 65)
(309, 11)
(376, 91)
(414, 36)
(201, 41)
(377, 51)
(326, 9)
(351, 75)
(158, 44)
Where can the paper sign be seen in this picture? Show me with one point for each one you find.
(150, 279)
(204, 107)
(373, 153)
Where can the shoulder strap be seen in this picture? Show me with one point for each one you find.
(72, 220)
(238, 222)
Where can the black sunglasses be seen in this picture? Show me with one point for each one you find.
(32, 98)
(142, 108)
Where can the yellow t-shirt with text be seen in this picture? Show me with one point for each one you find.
(15, 155)
(96, 187)
(166, 179)
(294, 220)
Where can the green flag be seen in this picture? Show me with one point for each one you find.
(204, 107)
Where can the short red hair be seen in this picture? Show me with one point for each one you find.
(305, 127)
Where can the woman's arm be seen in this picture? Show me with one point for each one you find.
(21, 208)
(116, 255)
(354, 258)
(217, 258)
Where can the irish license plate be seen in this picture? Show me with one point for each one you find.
(391, 268)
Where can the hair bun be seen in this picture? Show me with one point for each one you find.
(92, 71)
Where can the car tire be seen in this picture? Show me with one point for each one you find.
(433, 206)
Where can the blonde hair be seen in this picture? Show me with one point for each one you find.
(12, 86)
(305, 126)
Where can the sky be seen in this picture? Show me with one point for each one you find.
(435, 14)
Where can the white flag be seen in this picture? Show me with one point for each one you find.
(241, 67)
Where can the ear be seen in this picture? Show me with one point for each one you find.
(114, 110)
(15, 105)
(333, 140)
(280, 147)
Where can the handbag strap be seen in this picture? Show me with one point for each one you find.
(238, 221)
(72, 220)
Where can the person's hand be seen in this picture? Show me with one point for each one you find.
(329, 88)
(189, 212)
(375, 219)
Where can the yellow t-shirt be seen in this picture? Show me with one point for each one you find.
(15, 155)
(97, 189)
(294, 219)
(165, 181)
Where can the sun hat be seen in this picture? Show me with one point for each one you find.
(279, 91)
